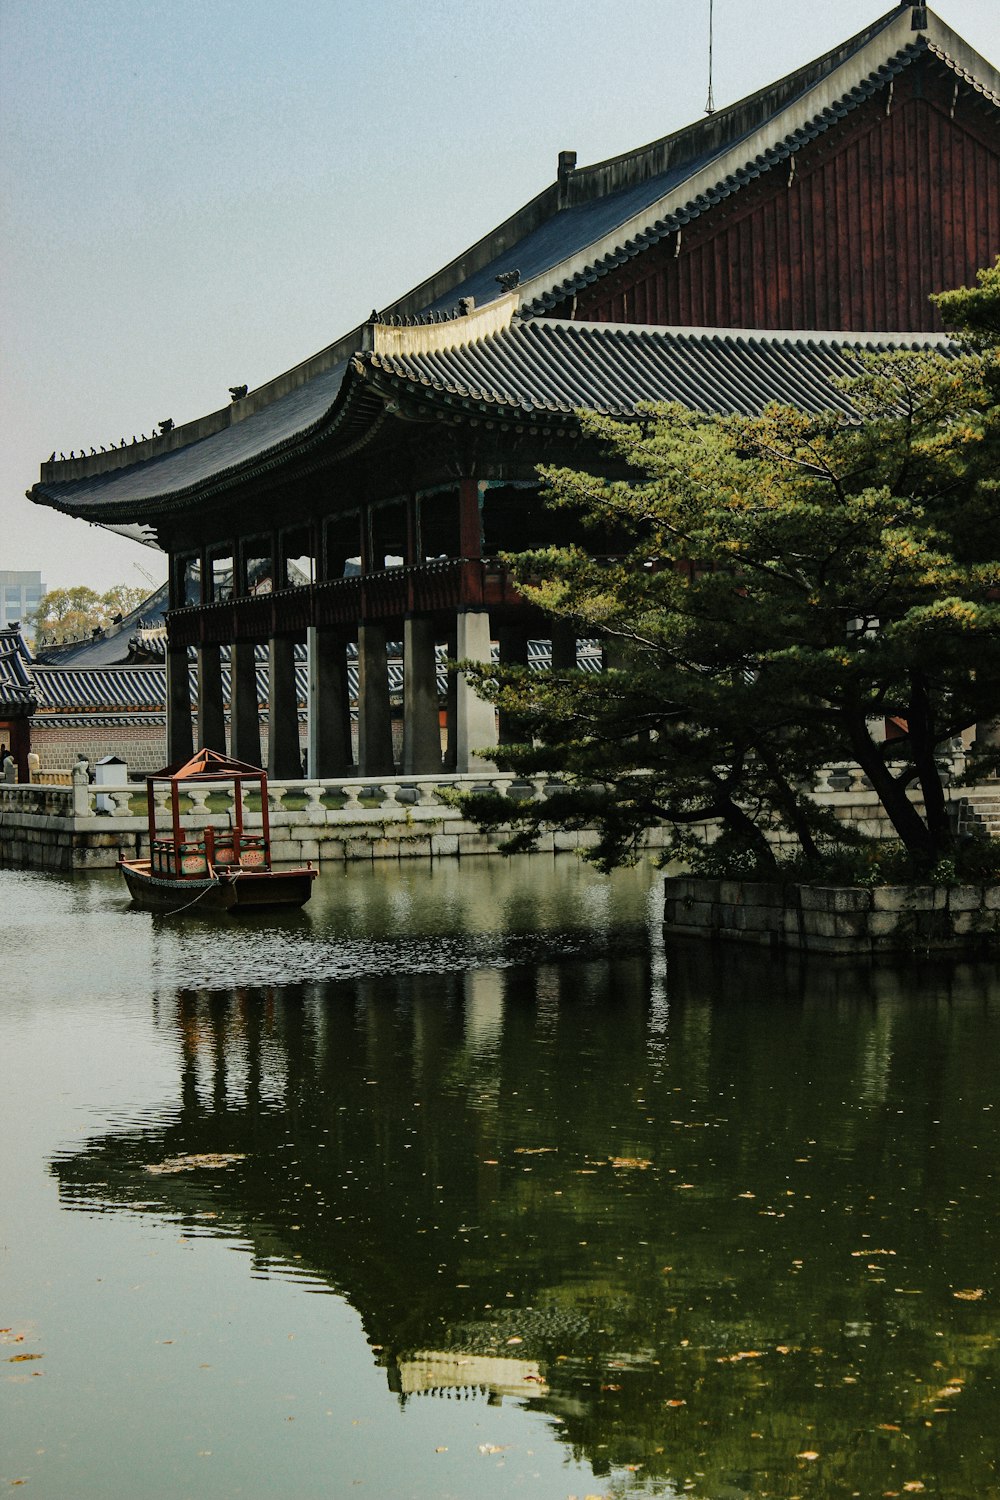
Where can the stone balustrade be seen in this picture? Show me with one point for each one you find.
(335, 819)
(376, 796)
(37, 797)
(389, 795)
(385, 795)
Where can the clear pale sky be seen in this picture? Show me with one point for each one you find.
(201, 193)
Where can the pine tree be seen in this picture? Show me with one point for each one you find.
(790, 584)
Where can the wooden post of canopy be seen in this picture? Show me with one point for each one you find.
(265, 820)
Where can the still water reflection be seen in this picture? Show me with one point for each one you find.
(589, 1217)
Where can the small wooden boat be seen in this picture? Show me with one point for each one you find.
(212, 869)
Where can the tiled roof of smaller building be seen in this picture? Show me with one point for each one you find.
(16, 690)
(138, 694)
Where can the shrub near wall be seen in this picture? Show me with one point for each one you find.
(847, 920)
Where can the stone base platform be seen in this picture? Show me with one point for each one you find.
(848, 920)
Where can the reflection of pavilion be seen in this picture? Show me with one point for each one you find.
(444, 1371)
(529, 1185)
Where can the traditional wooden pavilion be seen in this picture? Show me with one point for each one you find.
(731, 263)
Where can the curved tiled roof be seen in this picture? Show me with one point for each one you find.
(545, 366)
(625, 212)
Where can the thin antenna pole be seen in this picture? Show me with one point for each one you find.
(710, 102)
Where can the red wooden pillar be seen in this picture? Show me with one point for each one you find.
(470, 524)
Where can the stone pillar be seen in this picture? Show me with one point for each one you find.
(180, 740)
(475, 719)
(244, 705)
(283, 756)
(451, 709)
(421, 725)
(513, 641)
(374, 716)
(329, 750)
(211, 713)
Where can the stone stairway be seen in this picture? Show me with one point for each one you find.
(980, 809)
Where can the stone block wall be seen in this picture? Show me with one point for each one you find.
(848, 920)
(142, 746)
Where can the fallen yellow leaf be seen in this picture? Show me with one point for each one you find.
(971, 1296)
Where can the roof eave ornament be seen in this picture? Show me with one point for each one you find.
(710, 101)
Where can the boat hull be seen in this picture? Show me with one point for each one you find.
(240, 891)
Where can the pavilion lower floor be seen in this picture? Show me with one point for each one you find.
(361, 684)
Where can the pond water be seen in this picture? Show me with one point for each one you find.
(459, 1184)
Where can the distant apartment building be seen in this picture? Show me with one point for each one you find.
(20, 594)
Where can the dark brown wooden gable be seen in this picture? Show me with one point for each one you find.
(898, 200)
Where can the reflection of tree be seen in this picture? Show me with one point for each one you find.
(676, 1228)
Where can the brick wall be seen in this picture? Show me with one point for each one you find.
(142, 746)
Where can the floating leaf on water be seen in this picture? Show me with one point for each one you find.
(972, 1295)
(16, 1359)
(888, 1427)
(493, 1447)
(809, 1454)
(675, 1401)
(914, 1486)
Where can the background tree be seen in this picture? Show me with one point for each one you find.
(793, 582)
(70, 614)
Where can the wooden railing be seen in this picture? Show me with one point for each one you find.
(434, 586)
